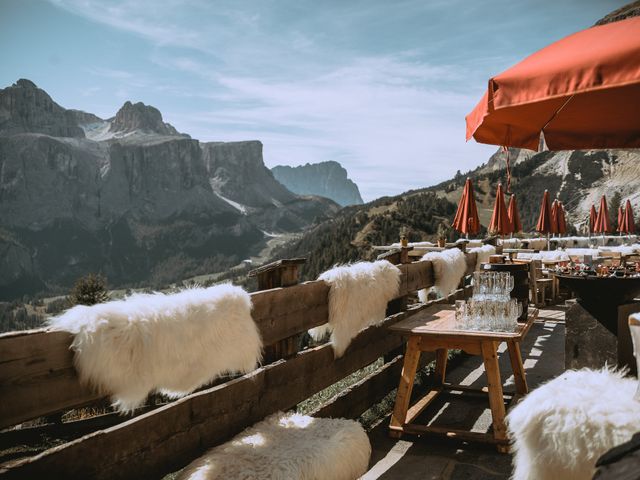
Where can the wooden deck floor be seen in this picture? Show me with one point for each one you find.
(437, 458)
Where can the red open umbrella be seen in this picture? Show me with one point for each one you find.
(593, 215)
(500, 223)
(562, 219)
(466, 220)
(628, 222)
(603, 224)
(620, 217)
(514, 216)
(582, 92)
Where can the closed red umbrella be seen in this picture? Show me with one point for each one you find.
(466, 220)
(620, 217)
(514, 216)
(554, 216)
(593, 216)
(562, 219)
(581, 92)
(500, 223)
(603, 224)
(544, 224)
(628, 222)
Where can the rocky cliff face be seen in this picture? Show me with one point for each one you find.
(140, 117)
(26, 108)
(143, 205)
(327, 179)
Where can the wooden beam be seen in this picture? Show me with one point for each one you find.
(360, 396)
(168, 438)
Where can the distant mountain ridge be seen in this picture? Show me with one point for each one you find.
(129, 197)
(327, 179)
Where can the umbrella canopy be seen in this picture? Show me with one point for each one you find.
(628, 222)
(466, 220)
(554, 216)
(593, 216)
(582, 92)
(545, 223)
(620, 217)
(514, 215)
(500, 223)
(562, 219)
(603, 224)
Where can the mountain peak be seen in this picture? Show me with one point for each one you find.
(25, 108)
(327, 179)
(140, 117)
(24, 83)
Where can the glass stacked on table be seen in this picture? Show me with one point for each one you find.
(491, 307)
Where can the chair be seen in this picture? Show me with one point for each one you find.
(538, 284)
(611, 259)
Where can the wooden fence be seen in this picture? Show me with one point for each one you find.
(37, 379)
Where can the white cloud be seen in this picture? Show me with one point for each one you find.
(393, 119)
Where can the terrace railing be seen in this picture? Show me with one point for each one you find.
(37, 378)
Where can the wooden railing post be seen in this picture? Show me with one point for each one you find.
(282, 273)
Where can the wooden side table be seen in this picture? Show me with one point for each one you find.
(433, 329)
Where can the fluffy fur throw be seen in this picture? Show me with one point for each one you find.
(510, 242)
(545, 255)
(167, 343)
(536, 243)
(449, 266)
(581, 252)
(358, 298)
(483, 254)
(560, 429)
(288, 447)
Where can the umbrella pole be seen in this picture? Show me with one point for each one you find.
(548, 243)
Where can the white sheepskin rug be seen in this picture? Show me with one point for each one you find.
(536, 243)
(483, 252)
(449, 266)
(560, 429)
(288, 447)
(510, 242)
(172, 343)
(559, 255)
(358, 298)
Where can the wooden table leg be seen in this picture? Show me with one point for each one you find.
(411, 358)
(496, 397)
(441, 365)
(517, 367)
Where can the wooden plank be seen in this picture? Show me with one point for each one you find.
(494, 382)
(407, 377)
(519, 376)
(419, 407)
(37, 376)
(283, 312)
(169, 437)
(359, 397)
(463, 435)
(416, 275)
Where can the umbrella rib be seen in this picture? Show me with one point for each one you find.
(557, 112)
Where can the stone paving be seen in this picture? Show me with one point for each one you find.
(439, 458)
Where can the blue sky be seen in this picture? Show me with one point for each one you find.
(381, 86)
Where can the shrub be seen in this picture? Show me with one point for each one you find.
(89, 290)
